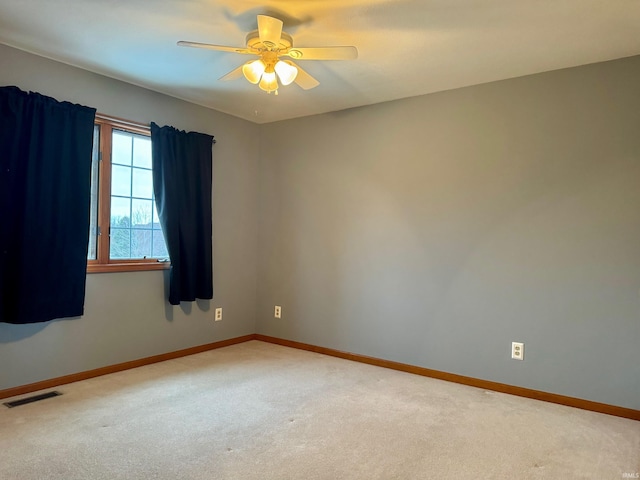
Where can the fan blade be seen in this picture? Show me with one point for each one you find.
(270, 30)
(220, 48)
(232, 75)
(304, 80)
(323, 53)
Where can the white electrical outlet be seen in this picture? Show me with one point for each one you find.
(278, 312)
(218, 314)
(517, 350)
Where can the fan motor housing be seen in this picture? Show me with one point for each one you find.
(253, 42)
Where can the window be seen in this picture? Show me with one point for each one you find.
(125, 232)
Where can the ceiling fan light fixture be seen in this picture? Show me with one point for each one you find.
(252, 71)
(269, 82)
(286, 71)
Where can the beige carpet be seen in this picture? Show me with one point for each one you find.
(261, 411)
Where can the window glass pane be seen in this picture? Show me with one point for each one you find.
(121, 148)
(120, 212)
(142, 151)
(121, 181)
(120, 243)
(159, 248)
(142, 183)
(134, 231)
(140, 243)
(141, 213)
(156, 219)
(93, 212)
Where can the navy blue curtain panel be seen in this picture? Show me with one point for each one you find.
(45, 186)
(182, 167)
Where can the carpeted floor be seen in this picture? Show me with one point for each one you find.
(261, 411)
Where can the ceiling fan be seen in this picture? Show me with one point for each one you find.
(270, 43)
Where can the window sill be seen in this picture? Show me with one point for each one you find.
(127, 267)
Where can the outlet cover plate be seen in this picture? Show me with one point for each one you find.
(517, 350)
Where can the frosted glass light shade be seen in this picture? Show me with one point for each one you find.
(286, 72)
(253, 70)
(269, 82)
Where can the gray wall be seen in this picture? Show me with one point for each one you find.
(126, 315)
(437, 230)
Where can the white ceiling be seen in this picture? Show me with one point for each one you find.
(406, 47)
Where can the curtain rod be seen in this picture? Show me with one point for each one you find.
(128, 123)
